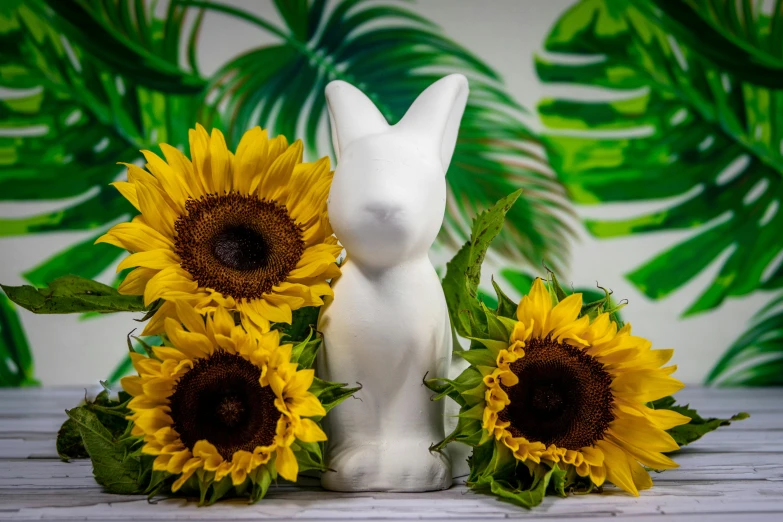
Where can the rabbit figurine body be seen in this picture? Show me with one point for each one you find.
(388, 324)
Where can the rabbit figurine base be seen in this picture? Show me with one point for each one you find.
(388, 324)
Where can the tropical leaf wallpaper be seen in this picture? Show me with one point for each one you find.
(672, 114)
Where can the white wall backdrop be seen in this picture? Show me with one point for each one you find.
(503, 33)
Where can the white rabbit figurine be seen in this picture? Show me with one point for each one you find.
(388, 324)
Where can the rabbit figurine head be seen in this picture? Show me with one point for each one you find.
(388, 196)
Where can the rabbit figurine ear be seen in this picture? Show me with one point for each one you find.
(352, 115)
(437, 112)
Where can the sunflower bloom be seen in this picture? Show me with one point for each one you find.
(221, 401)
(245, 231)
(568, 390)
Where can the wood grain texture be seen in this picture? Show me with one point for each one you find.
(733, 474)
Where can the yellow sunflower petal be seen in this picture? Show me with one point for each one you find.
(223, 322)
(156, 324)
(157, 259)
(274, 183)
(534, 308)
(156, 208)
(199, 151)
(128, 191)
(181, 480)
(168, 179)
(221, 164)
(274, 308)
(286, 464)
(132, 385)
(618, 471)
(306, 405)
(564, 313)
(208, 453)
(645, 385)
(170, 283)
(598, 475)
(308, 431)
(135, 237)
(639, 432)
(300, 383)
(136, 281)
(641, 478)
(151, 421)
(194, 343)
(192, 320)
(183, 169)
(249, 158)
(308, 190)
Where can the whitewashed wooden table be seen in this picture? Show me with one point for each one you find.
(735, 473)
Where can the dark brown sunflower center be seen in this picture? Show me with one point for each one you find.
(237, 244)
(563, 396)
(221, 401)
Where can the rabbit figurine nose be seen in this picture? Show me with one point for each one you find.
(384, 210)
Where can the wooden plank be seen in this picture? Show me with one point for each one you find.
(729, 474)
(694, 467)
(456, 503)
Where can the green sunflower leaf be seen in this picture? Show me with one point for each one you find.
(69, 442)
(698, 426)
(113, 467)
(16, 359)
(110, 413)
(73, 294)
(463, 272)
(305, 321)
(521, 487)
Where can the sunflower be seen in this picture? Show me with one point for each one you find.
(565, 389)
(221, 402)
(248, 232)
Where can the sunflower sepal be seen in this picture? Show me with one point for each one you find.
(303, 324)
(478, 357)
(330, 394)
(474, 412)
(467, 431)
(498, 328)
(454, 388)
(303, 353)
(310, 456)
(493, 345)
(262, 479)
(506, 307)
